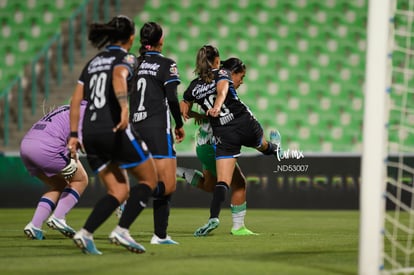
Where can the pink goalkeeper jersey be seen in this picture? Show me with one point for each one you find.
(44, 147)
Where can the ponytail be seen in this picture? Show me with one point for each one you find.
(204, 62)
(119, 29)
(151, 34)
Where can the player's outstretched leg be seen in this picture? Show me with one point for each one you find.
(276, 139)
(274, 145)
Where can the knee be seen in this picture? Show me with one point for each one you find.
(169, 189)
(120, 194)
(170, 186)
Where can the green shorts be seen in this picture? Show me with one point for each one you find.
(207, 155)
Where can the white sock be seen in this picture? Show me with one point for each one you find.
(238, 212)
(120, 229)
(86, 233)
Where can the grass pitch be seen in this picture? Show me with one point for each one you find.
(290, 242)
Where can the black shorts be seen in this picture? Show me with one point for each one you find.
(246, 131)
(123, 147)
(159, 140)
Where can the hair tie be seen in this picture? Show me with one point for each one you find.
(147, 47)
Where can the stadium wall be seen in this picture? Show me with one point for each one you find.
(297, 182)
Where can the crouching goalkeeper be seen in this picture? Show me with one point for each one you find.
(45, 155)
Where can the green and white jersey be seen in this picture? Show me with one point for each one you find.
(204, 133)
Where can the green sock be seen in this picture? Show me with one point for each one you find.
(238, 208)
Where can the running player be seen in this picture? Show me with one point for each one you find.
(151, 104)
(44, 154)
(232, 122)
(207, 179)
(112, 147)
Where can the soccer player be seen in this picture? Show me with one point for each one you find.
(151, 104)
(44, 154)
(231, 120)
(207, 179)
(112, 147)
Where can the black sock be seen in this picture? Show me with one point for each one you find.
(159, 190)
(219, 195)
(271, 149)
(137, 201)
(102, 210)
(161, 214)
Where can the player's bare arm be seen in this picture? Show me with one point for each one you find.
(222, 90)
(120, 75)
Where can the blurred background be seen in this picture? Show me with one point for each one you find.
(305, 60)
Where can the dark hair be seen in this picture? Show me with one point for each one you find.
(119, 29)
(204, 62)
(234, 65)
(150, 35)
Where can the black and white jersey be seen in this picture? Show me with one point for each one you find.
(148, 102)
(205, 94)
(103, 110)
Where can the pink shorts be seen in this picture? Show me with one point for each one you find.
(42, 156)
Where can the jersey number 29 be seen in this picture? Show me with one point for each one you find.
(97, 84)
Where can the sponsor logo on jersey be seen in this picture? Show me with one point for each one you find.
(202, 90)
(100, 63)
(222, 73)
(129, 59)
(174, 70)
(147, 68)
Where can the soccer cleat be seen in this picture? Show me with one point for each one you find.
(126, 241)
(276, 139)
(33, 232)
(61, 226)
(86, 244)
(242, 231)
(185, 173)
(212, 224)
(167, 240)
(191, 176)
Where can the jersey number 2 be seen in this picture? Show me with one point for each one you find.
(141, 87)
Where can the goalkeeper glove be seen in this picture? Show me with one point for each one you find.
(69, 170)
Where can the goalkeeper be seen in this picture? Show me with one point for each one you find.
(207, 179)
(44, 153)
